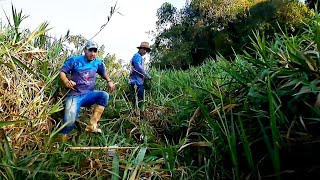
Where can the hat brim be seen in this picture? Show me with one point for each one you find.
(148, 49)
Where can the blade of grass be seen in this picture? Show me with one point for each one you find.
(246, 145)
(274, 131)
(115, 168)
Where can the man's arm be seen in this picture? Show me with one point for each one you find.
(68, 83)
(137, 66)
(103, 73)
(106, 77)
(63, 77)
(67, 67)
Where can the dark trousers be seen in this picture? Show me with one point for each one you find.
(138, 94)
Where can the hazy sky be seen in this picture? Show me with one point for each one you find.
(122, 34)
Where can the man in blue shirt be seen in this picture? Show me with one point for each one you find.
(82, 71)
(138, 73)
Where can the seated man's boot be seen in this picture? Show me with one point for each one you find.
(93, 123)
(64, 137)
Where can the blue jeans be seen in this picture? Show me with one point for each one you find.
(75, 102)
(139, 92)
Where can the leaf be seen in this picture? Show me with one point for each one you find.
(140, 156)
(7, 123)
(198, 144)
(8, 65)
(41, 171)
(290, 83)
(21, 64)
(317, 36)
(304, 89)
(134, 174)
(115, 168)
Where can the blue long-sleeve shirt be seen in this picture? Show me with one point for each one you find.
(138, 72)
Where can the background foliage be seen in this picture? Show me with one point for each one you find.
(206, 28)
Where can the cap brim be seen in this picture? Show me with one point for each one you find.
(92, 47)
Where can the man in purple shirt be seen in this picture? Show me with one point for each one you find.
(82, 80)
(138, 73)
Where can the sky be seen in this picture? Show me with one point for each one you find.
(122, 34)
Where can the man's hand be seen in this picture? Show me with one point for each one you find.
(112, 86)
(69, 84)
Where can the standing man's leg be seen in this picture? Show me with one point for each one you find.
(138, 97)
(134, 97)
(140, 94)
(100, 98)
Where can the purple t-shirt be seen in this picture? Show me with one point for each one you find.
(83, 73)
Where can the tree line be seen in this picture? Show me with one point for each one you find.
(208, 28)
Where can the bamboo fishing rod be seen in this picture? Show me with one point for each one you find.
(103, 148)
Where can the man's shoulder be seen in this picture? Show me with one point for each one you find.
(136, 57)
(98, 61)
(78, 57)
(74, 58)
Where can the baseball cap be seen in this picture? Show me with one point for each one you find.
(91, 44)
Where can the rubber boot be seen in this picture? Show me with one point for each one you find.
(64, 138)
(93, 123)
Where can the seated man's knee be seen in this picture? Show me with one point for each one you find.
(103, 98)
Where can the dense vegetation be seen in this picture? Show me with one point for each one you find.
(252, 115)
(206, 28)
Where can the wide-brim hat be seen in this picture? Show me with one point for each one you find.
(145, 45)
